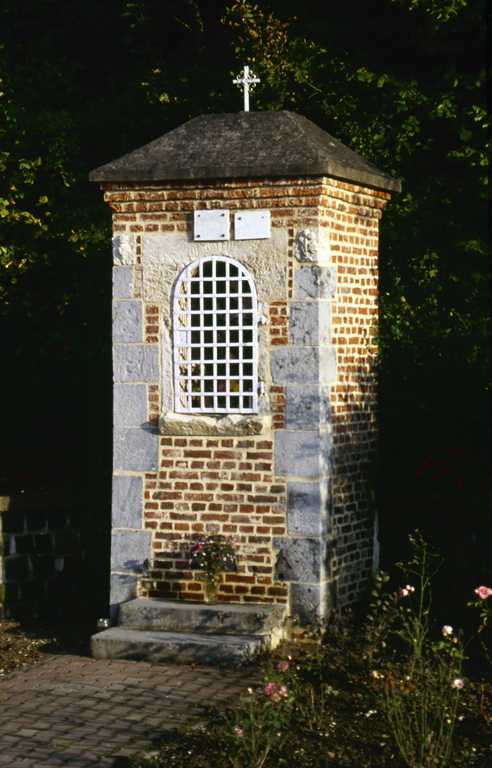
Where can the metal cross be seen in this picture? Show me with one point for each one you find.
(247, 80)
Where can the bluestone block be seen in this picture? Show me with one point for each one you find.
(315, 282)
(307, 407)
(309, 601)
(295, 365)
(310, 323)
(299, 559)
(122, 282)
(127, 321)
(135, 450)
(302, 454)
(127, 501)
(130, 550)
(129, 405)
(307, 508)
(136, 362)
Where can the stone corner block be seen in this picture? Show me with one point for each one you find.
(127, 321)
(126, 502)
(303, 454)
(295, 365)
(307, 407)
(135, 450)
(300, 559)
(122, 282)
(136, 362)
(315, 282)
(123, 587)
(307, 508)
(131, 551)
(310, 602)
(327, 364)
(129, 405)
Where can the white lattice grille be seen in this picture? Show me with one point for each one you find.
(215, 338)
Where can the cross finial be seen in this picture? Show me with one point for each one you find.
(247, 80)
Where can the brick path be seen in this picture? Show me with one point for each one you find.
(76, 711)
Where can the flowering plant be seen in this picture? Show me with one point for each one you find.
(484, 606)
(213, 553)
(263, 722)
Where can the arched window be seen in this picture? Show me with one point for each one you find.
(215, 338)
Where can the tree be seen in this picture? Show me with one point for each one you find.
(403, 84)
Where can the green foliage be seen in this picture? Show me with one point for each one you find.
(402, 82)
(419, 682)
(484, 630)
(262, 723)
(415, 106)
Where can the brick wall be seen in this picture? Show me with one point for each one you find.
(229, 483)
(353, 220)
(53, 555)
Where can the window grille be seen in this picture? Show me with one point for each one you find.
(215, 338)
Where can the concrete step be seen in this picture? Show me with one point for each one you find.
(222, 619)
(178, 647)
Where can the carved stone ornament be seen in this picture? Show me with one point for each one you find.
(306, 245)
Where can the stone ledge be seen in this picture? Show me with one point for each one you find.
(178, 647)
(232, 424)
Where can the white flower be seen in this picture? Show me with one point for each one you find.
(447, 630)
(457, 683)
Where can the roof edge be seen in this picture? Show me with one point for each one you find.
(165, 173)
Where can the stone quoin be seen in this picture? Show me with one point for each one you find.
(245, 401)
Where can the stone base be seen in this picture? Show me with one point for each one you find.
(178, 647)
(172, 631)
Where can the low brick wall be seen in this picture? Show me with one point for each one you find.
(54, 552)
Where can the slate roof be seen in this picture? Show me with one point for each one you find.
(242, 145)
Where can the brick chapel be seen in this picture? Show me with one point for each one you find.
(245, 401)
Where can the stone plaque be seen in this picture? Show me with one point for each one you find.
(211, 225)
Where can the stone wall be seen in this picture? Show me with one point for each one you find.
(53, 554)
(298, 496)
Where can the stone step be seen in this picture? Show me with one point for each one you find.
(178, 647)
(146, 613)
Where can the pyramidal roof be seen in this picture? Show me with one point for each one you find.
(244, 144)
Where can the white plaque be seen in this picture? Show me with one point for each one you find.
(252, 225)
(211, 225)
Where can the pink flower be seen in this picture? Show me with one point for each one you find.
(275, 697)
(283, 665)
(447, 630)
(457, 683)
(283, 691)
(238, 732)
(406, 590)
(270, 688)
(483, 592)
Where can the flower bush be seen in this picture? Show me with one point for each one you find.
(212, 554)
(485, 609)
(419, 688)
(263, 722)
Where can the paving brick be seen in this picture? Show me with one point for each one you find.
(49, 708)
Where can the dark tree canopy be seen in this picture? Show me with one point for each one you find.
(402, 82)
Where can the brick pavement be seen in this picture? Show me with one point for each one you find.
(76, 711)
